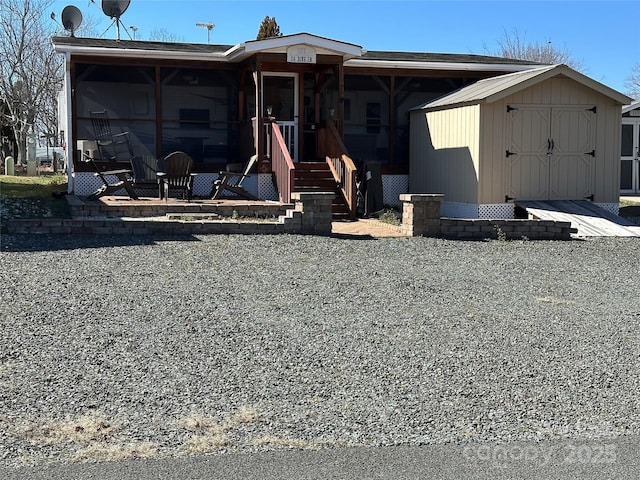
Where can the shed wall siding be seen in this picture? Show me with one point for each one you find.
(445, 153)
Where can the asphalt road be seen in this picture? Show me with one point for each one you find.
(567, 459)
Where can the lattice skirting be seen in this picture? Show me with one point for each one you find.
(86, 183)
(392, 187)
(265, 187)
(496, 210)
(610, 207)
(471, 210)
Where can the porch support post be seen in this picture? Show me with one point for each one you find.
(316, 97)
(69, 133)
(158, 94)
(341, 99)
(259, 119)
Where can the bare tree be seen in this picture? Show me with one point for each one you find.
(632, 82)
(164, 35)
(515, 45)
(30, 71)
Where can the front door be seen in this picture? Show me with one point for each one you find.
(630, 156)
(280, 101)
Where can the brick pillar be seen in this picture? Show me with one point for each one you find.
(316, 211)
(421, 214)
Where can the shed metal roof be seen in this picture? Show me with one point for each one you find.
(495, 88)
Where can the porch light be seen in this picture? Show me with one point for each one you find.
(269, 110)
(332, 112)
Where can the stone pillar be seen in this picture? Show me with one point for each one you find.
(421, 214)
(316, 212)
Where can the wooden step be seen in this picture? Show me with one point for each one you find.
(329, 183)
(317, 177)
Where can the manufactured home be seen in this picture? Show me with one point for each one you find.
(319, 97)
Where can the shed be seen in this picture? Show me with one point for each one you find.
(544, 134)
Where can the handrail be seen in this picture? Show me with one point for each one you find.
(344, 173)
(281, 164)
(335, 140)
(341, 166)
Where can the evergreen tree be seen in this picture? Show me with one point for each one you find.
(268, 28)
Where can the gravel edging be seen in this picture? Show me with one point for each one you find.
(123, 347)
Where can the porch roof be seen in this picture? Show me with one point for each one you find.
(353, 55)
(629, 108)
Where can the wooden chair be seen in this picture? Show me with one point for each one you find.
(112, 147)
(108, 187)
(145, 172)
(176, 175)
(224, 182)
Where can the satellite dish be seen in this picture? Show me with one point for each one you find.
(115, 8)
(71, 18)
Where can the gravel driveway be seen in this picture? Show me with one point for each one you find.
(134, 347)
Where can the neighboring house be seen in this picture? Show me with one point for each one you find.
(630, 150)
(213, 101)
(545, 134)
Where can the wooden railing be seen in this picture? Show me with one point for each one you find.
(281, 163)
(329, 141)
(344, 173)
(341, 165)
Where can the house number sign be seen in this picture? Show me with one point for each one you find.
(301, 54)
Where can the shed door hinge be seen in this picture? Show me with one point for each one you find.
(508, 153)
(592, 109)
(510, 108)
(592, 153)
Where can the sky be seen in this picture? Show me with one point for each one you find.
(601, 35)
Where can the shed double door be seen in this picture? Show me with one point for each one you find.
(551, 153)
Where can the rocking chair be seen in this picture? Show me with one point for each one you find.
(111, 146)
(224, 182)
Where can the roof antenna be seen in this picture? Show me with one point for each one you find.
(209, 26)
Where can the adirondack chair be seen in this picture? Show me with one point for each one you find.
(232, 182)
(111, 146)
(145, 172)
(176, 175)
(108, 187)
